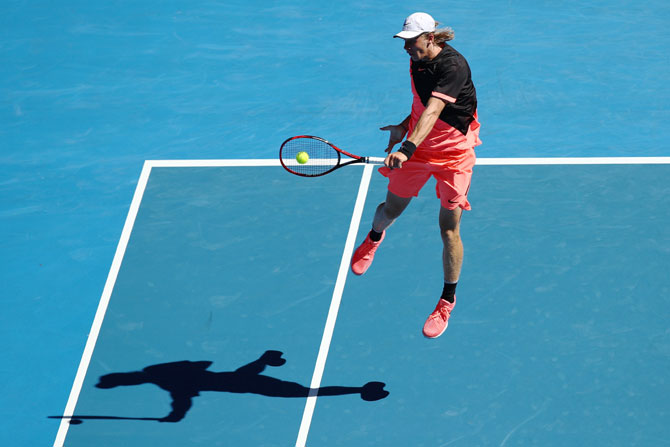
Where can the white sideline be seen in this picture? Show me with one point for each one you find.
(334, 307)
(102, 306)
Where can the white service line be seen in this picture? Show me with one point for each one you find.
(482, 161)
(573, 161)
(213, 163)
(334, 307)
(102, 306)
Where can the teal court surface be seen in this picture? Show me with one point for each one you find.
(229, 298)
(206, 301)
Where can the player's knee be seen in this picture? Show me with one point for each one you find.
(450, 234)
(450, 223)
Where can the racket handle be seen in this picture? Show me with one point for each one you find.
(374, 160)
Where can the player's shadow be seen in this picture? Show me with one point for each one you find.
(185, 380)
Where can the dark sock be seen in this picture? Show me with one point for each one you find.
(374, 236)
(449, 292)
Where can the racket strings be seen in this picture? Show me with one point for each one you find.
(322, 156)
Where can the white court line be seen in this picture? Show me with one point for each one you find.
(334, 307)
(323, 351)
(573, 161)
(102, 306)
(213, 163)
(480, 161)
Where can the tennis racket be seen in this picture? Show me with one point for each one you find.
(324, 157)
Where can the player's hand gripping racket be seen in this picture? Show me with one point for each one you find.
(310, 156)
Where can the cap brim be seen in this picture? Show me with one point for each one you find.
(409, 34)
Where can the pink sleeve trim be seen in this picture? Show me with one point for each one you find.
(445, 97)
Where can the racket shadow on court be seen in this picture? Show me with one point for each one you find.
(185, 380)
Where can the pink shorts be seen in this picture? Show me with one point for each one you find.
(453, 179)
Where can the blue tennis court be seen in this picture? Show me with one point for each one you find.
(203, 297)
(544, 352)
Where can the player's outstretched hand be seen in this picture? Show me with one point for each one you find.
(397, 133)
(273, 358)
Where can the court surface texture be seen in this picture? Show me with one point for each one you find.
(166, 282)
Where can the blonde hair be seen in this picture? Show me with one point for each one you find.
(443, 35)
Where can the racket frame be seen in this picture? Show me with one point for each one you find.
(339, 164)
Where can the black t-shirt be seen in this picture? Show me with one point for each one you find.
(447, 77)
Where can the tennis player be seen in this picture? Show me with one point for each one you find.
(442, 131)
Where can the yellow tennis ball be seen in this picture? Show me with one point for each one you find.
(302, 157)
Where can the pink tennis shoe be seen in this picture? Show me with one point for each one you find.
(364, 254)
(438, 321)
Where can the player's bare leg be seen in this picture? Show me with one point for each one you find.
(387, 212)
(452, 260)
(452, 254)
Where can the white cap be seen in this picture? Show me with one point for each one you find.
(415, 24)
